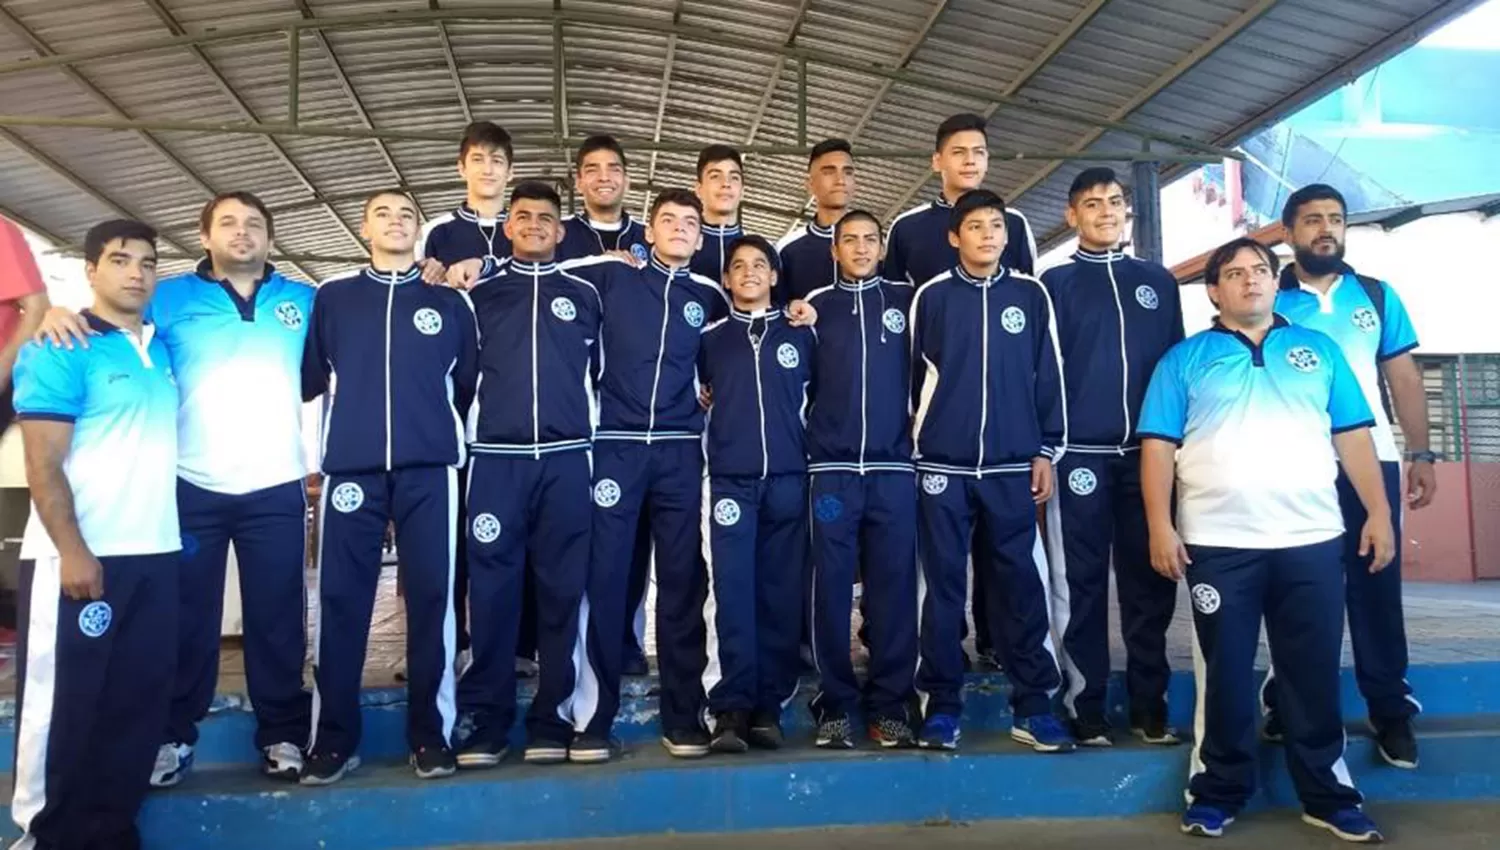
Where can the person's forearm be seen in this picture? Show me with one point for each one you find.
(53, 497)
(1409, 398)
(1356, 451)
(1158, 474)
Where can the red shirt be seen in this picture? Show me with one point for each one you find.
(19, 277)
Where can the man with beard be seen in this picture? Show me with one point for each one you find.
(1368, 321)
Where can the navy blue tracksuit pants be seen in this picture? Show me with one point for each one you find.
(951, 509)
(1095, 518)
(423, 503)
(521, 506)
(1377, 621)
(866, 525)
(94, 681)
(757, 562)
(666, 478)
(1299, 592)
(269, 531)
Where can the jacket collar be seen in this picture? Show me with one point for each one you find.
(735, 229)
(848, 285)
(741, 316)
(519, 266)
(409, 274)
(1103, 257)
(467, 213)
(819, 230)
(661, 268)
(999, 275)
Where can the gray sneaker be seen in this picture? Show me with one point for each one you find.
(282, 761)
(173, 760)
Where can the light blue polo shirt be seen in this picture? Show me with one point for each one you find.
(122, 465)
(239, 372)
(1346, 314)
(1254, 424)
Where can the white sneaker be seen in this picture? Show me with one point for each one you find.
(281, 761)
(172, 763)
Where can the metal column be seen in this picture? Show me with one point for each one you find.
(1147, 203)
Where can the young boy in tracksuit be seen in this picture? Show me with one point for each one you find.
(529, 480)
(863, 492)
(987, 388)
(404, 359)
(758, 368)
(1116, 316)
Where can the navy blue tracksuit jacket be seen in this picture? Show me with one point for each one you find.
(917, 248)
(528, 490)
(463, 235)
(863, 494)
(584, 237)
(988, 393)
(1116, 317)
(760, 369)
(710, 259)
(806, 263)
(401, 361)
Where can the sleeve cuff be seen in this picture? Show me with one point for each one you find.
(1165, 438)
(44, 416)
(1391, 355)
(1368, 423)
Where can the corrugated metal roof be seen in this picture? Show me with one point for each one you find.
(1210, 70)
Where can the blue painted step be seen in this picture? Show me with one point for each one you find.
(648, 793)
(226, 736)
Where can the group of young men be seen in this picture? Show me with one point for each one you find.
(587, 400)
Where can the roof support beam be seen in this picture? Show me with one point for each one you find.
(611, 20)
(57, 241)
(293, 74)
(458, 78)
(661, 104)
(1038, 62)
(178, 33)
(775, 79)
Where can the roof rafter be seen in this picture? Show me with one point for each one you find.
(661, 104)
(458, 78)
(775, 79)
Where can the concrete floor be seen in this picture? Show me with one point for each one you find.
(1451, 827)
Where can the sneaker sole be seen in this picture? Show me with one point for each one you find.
(1099, 742)
(1168, 740)
(435, 773)
(938, 745)
(471, 761)
(1385, 756)
(685, 751)
(1367, 838)
(834, 744)
(764, 743)
(1204, 831)
(168, 782)
(1021, 736)
(349, 765)
(288, 774)
(588, 756)
(546, 755)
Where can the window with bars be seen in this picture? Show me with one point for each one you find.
(1463, 405)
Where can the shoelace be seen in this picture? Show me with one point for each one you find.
(837, 728)
(889, 727)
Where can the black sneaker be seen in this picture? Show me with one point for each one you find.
(1396, 742)
(892, 733)
(765, 731)
(686, 743)
(1093, 732)
(835, 733)
(545, 751)
(591, 749)
(326, 768)
(989, 660)
(635, 665)
(731, 729)
(480, 750)
(1272, 732)
(434, 762)
(1156, 731)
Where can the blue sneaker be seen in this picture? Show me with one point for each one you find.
(940, 732)
(1350, 824)
(1205, 821)
(1043, 733)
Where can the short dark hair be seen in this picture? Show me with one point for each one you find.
(206, 217)
(853, 216)
(718, 153)
(123, 229)
(828, 146)
(380, 193)
(599, 143)
(486, 134)
(1090, 178)
(759, 243)
(681, 197)
(536, 190)
(971, 202)
(956, 124)
(1226, 252)
(1306, 195)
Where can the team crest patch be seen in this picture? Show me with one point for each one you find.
(726, 512)
(289, 315)
(563, 308)
(486, 528)
(934, 484)
(1364, 318)
(1082, 481)
(787, 356)
(428, 321)
(1302, 358)
(606, 493)
(828, 508)
(639, 252)
(95, 618)
(1013, 320)
(692, 313)
(1146, 297)
(347, 497)
(1205, 598)
(894, 320)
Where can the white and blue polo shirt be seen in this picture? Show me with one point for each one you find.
(239, 372)
(122, 465)
(1254, 424)
(1346, 313)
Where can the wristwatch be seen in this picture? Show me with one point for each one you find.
(1423, 457)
